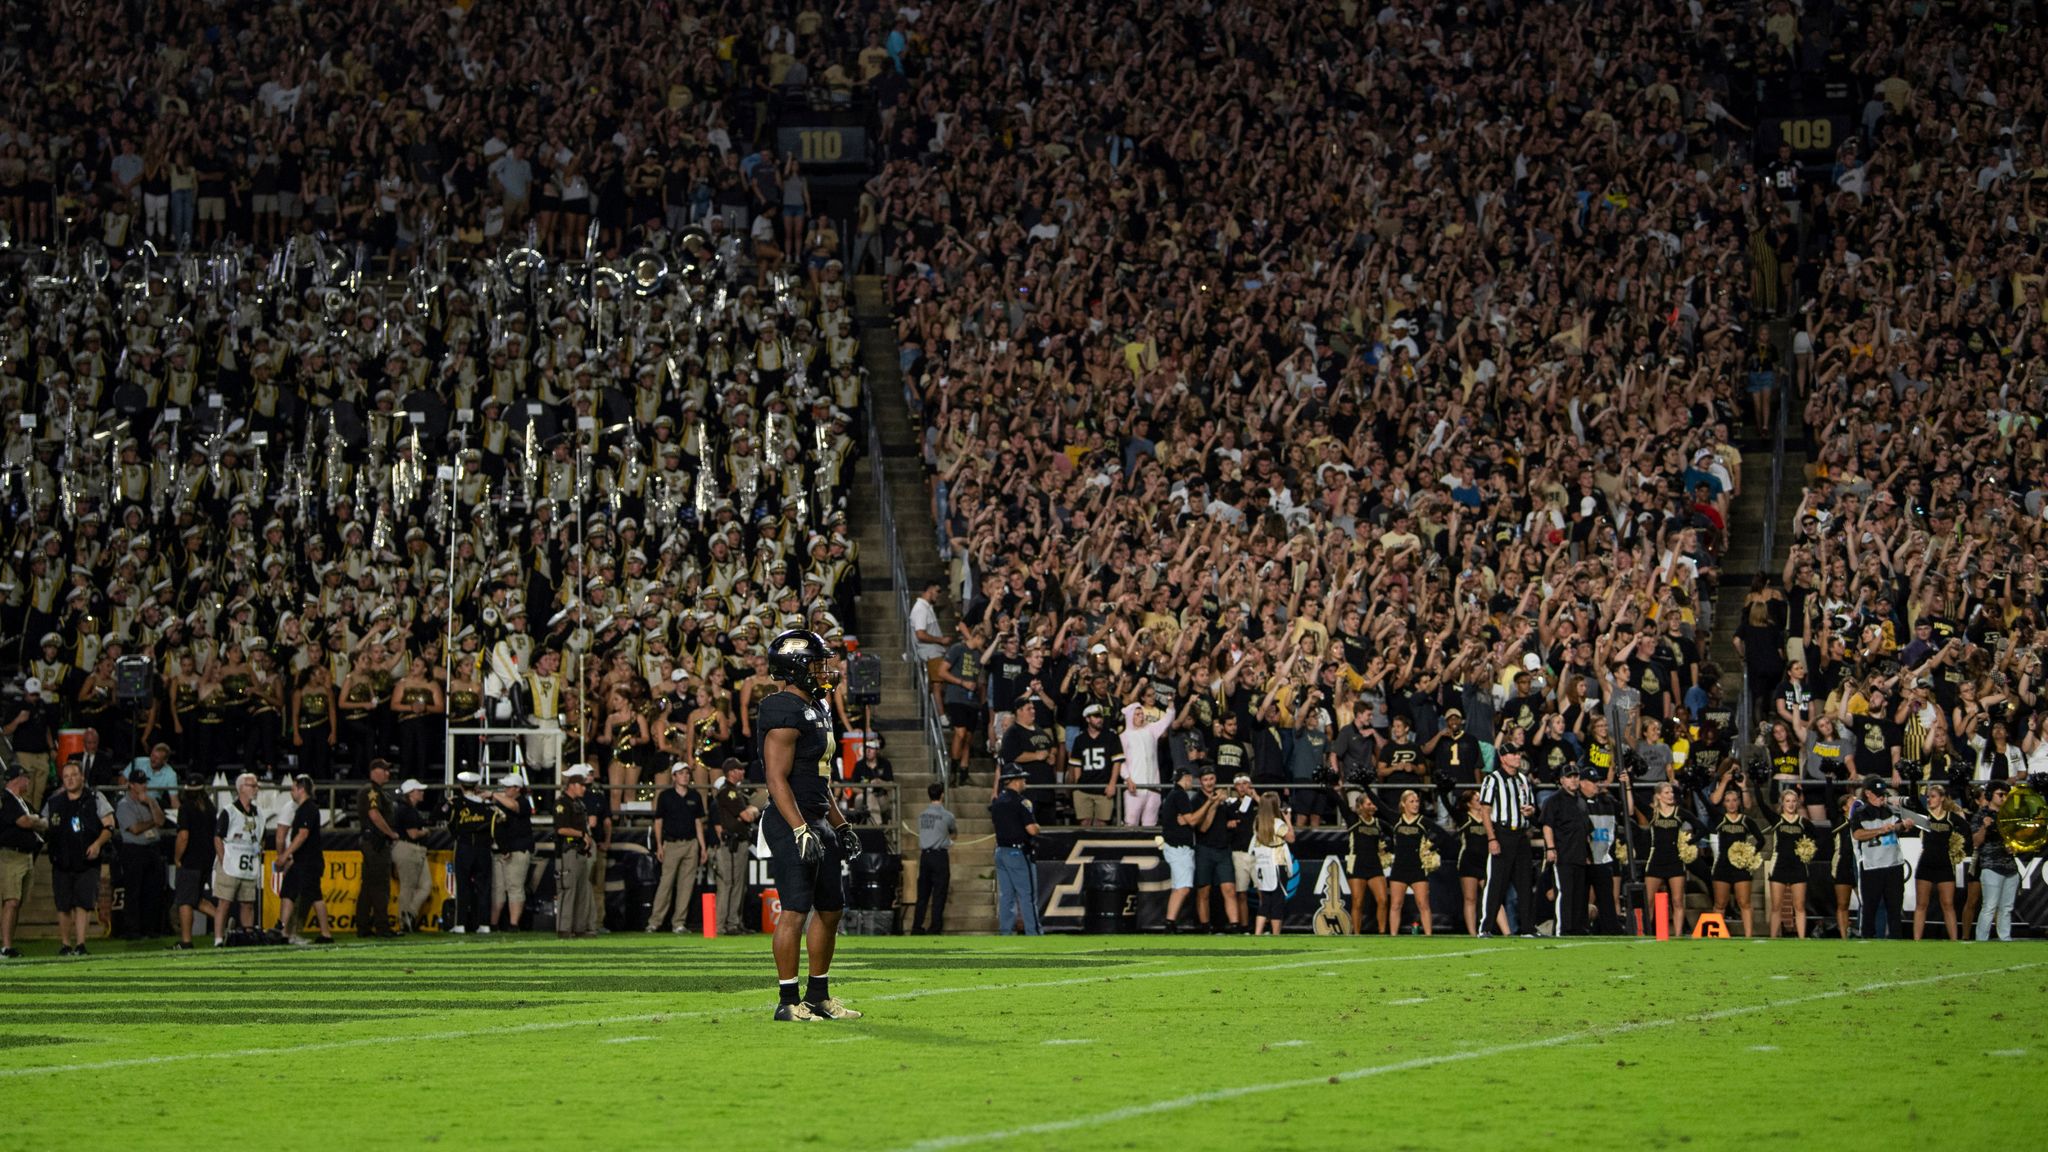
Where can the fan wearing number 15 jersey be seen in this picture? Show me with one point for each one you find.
(1097, 757)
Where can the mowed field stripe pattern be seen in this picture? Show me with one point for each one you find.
(210, 989)
(1198, 1045)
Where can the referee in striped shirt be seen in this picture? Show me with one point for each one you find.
(1508, 809)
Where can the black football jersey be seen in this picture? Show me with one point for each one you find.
(810, 772)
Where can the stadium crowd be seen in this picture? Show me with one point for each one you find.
(1338, 396)
(1347, 395)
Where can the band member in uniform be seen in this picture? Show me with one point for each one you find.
(808, 836)
(238, 846)
(1735, 865)
(471, 819)
(373, 816)
(304, 864)
(1943, 844)
(1792, 845)
(1368, 878)
(574, 916)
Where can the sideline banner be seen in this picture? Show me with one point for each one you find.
(344, 883)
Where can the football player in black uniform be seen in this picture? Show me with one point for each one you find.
(808, 836)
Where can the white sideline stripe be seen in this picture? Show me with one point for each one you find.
(659, 1017)
(1218, 1095)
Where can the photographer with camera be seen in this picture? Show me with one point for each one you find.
(1881, 866)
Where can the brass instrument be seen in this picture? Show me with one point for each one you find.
(2023, 820)
(648, 271)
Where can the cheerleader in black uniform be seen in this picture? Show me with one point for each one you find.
(1406, 843)
(1368, 878)
(1741, 848)
(1472, 860)
(1664, 868)
(1792, 846)
(1943, 844)
(1845, 860)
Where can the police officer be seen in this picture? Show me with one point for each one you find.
(373, 814)
(1016, 827)
(574, 916)
(471, 820)
(1567, 849)
(736, 815)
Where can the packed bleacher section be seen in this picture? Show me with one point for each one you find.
(1388, 355)
(341, 336)
(1339, 395)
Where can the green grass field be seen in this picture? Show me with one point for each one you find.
(1061, 1043)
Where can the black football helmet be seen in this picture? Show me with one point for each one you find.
(801, 659)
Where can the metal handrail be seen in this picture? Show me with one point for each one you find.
(927, 708)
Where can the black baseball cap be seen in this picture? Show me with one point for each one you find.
(138, 776)
(1568, 770)
(1876, 784)
(12, 772)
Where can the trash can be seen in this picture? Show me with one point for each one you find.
(873, 879)
(1107, 889)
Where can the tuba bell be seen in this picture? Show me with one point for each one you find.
(2023, 818)
(648, 272)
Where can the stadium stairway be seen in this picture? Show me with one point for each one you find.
(1745, 545)
(971, 905)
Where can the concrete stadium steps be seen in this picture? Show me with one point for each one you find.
(1745, 545)
(971, 903)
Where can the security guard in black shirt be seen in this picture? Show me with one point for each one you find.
(1567, 848)
(471, 820)
(1016, 870)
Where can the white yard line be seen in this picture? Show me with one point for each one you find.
(659, 1017)
(1192, 1100)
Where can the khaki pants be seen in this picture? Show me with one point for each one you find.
(37, 765)
(508, 879)
(409, 861)
(730, 862)
(573, 911)
(678, 883)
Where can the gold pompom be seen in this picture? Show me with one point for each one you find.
(1431, 860)
(1687, 850)
(1743, 855)
(1804, 847)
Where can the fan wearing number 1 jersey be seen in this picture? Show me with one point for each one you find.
(238, 846)
(807, 835)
